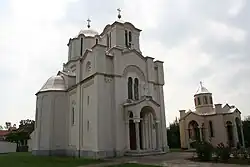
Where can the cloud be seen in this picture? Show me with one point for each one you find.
(198, 40)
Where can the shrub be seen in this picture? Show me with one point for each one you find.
(223, 152)
(204, 151)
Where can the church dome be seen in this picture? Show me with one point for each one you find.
(88, 33)
(201, 90)
(55, 83)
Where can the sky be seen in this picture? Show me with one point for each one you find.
(204, 41)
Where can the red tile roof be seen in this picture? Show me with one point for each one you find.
(4, 132)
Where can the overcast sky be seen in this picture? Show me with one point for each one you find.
(198, 40)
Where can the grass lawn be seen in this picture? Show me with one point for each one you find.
(28, 160)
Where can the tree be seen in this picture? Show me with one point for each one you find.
(173, 134)
(246, 129)
(1, 127)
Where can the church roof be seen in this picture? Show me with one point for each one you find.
(55, 83)
(201, 90)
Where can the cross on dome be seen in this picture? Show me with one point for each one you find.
(119, 13)
(201, 83)
(88, 23)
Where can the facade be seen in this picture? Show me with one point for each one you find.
(107, 101)
(209, 122)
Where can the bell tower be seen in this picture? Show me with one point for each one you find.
(203, 100)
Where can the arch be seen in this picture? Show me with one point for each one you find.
(148, 110)
(137, 70)
(130, 88)
(193, 130)
(136, 89)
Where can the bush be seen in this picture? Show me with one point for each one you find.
(204, 151)
(223, 152)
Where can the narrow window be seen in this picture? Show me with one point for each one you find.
(73, 115)
(136, 89)
(110, 39)
(195, 102)
(130, 39)
(96, 41)
(211, 129)
(211, 100)
(205, 100)
(199, 102)
(88, 125)
(81, 47)
(88, 100)
(126, 38)
(130, 92)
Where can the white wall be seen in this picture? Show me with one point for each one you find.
(7, 147)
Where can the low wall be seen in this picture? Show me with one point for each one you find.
(7, 147)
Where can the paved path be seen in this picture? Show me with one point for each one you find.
(174, 159)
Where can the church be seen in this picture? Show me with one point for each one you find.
(107, 100)
(214, 123)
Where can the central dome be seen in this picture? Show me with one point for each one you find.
(201, 90)
(88, 33)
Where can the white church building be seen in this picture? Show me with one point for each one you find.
(107, 101)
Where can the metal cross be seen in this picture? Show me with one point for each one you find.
(119, 13)
(88, 22)
(201, 83)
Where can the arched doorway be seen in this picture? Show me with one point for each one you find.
(230, 136)
(148, 129)
(193, 131)
(132, 133)
(238, 126)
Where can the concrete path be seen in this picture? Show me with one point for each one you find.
(174, 159)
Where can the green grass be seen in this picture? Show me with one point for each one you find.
(132, 165)
(28, 160)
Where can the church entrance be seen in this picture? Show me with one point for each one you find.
(132, 133)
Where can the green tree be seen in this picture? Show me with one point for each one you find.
(246, 130)
(173, 134)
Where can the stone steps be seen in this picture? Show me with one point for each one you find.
(144, 153)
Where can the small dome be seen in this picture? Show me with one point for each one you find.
(88, 33)
(56, 83)
(201, 90)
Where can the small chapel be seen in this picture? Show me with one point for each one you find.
(107, 100)
(214, 123)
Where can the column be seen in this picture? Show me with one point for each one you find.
(146, 135)
(137, 130)
(200, 129)
(242, 135)
(128, 135)
(187, 138)
(157, 128)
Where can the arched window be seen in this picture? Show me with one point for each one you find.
(195, 102)
(211, 100)
(205, 100)
(136, 89)
(130, 87)
(81, 47)
(211, 129)
(199, 101)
